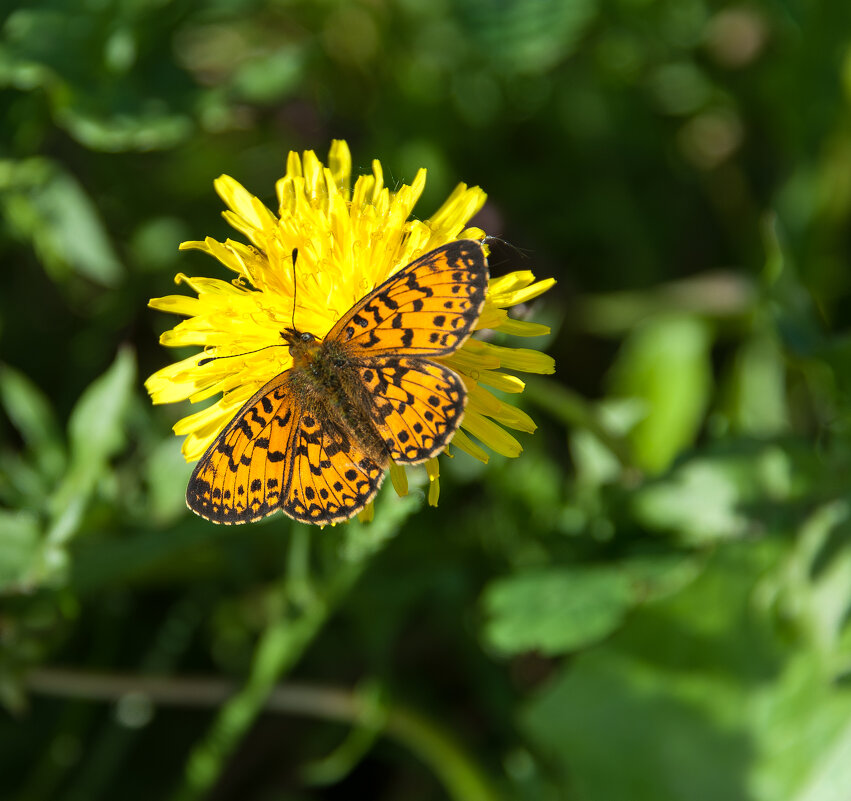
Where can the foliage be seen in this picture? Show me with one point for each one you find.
(650, 603)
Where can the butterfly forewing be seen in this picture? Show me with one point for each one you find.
(428, 308)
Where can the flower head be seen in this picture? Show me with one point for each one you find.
(349, 239)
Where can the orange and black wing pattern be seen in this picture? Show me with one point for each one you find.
(275, 454)
(332, 477)
(418, 405)
(428, 308)
(292, 448)
(243, 474)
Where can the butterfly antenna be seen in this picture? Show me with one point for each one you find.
(209, 359)
(295, 286)
(234, 355)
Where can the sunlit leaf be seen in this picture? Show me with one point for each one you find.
(96, 433)
(555, 610)
(20, 538)
(665, 363)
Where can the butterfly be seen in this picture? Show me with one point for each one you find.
(316, 440)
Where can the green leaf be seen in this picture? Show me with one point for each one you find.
(714, 496)
(72, 228)
(96, 433)
(20, 539)
(811, 587)
(758, 389)
(666, 364)
(48, 206)
(801, 727)
(659, 711)
(528, 37)
(699, 503)
(96, 425)
(107, 75)
(556, 610)
(700, 696)
(595, 464)
(270, 77)
(657, 576)
(618, 728)
(32, 415)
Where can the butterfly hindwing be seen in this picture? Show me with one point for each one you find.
(428, 308)
(333, 477)
(418, 405)
(244, 472)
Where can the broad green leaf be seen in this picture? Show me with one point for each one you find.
(700, 503)
(96, 425)
(713, 496)
(699, 696)
(618, 728)
(87, 67)
(270, 77)
(70, 229)
(555, 610)
(666, 364)
(528, 37)
(146, 130)
(22, 485)
(595, 464)
(659, 712)
(657, 576)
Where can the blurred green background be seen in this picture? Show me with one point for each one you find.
(650, 603)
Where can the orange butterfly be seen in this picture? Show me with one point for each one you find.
(317, 439)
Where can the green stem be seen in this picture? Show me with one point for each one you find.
(280, 647)
(285, 639)
(439, 750)
(436, 747)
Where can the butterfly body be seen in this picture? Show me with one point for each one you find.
(325, 379)
(316, 440)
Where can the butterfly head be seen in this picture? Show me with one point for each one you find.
(294, 337)
(302, 344)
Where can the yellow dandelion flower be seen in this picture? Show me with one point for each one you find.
(304, 423)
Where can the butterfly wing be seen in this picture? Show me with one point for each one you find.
(333, 477)
(418, 405)
(276, 453)
(244, 472)
(428, 308)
